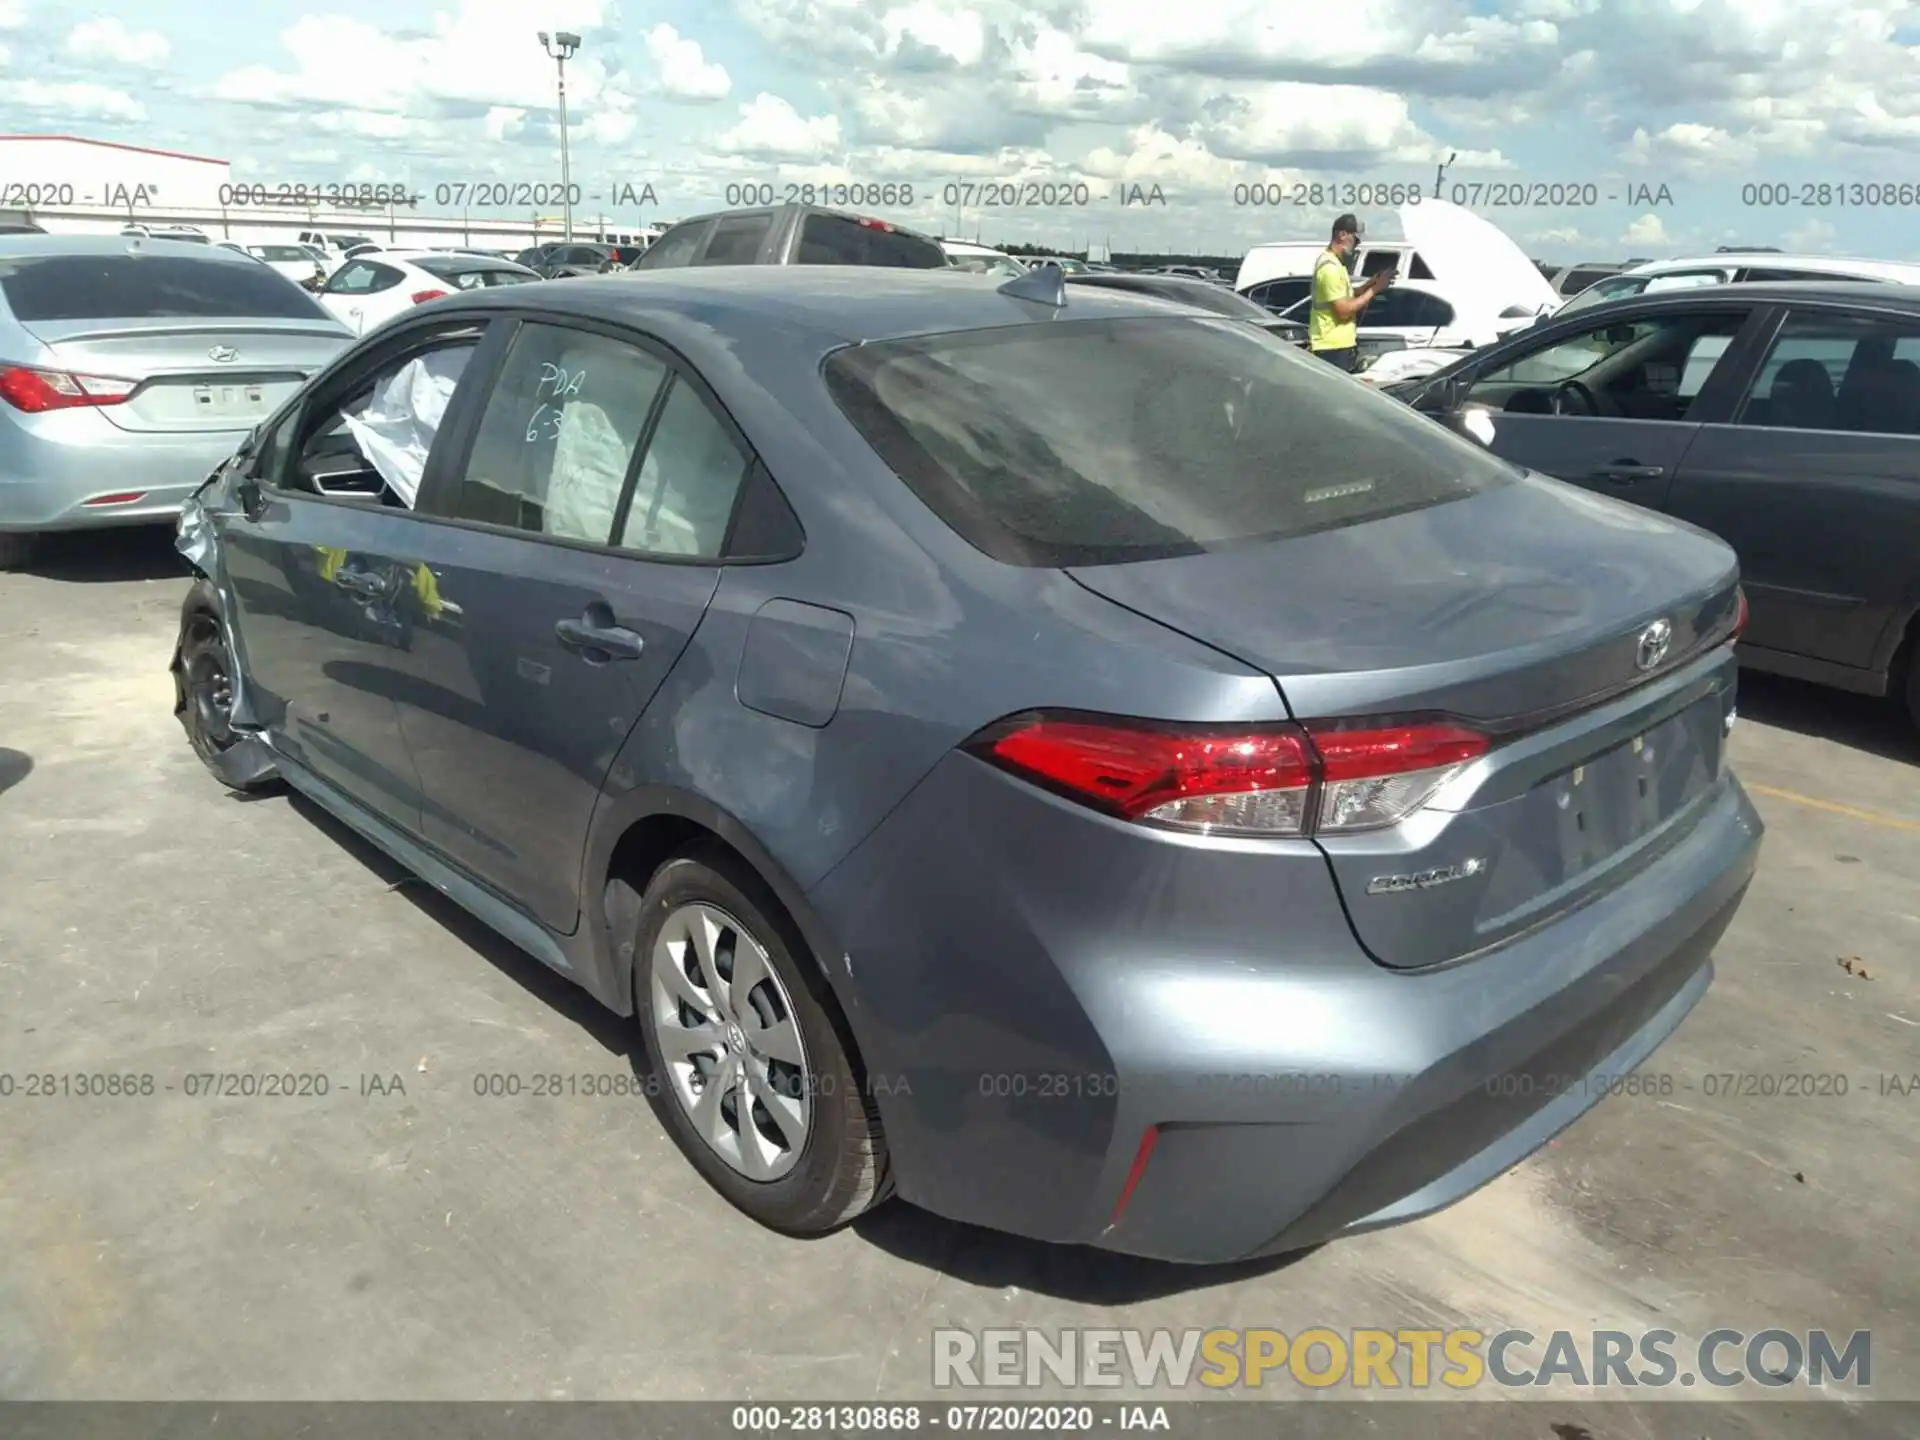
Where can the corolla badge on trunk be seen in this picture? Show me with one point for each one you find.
(1425, 879)
(1654, 642)
(222, 354)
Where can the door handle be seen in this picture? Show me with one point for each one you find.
(598, 638)
(1628, 472)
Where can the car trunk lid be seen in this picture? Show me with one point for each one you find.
(192, 375)
(1527, 612)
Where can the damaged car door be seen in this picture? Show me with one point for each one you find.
(577, 548)
(321, 565)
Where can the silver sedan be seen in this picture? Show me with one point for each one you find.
(131, 368)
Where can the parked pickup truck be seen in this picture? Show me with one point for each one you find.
(792, 235)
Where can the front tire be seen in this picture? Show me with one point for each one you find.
(749, 1065)
(204, 678)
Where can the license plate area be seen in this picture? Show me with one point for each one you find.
(239, 401)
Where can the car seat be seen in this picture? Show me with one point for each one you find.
(1802, 397)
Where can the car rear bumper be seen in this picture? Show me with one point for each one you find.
(1036, 989)
(49, 473)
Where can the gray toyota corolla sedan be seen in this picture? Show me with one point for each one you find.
(130, 367)
(1064, 758)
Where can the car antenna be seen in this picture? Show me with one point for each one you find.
(1043, 284)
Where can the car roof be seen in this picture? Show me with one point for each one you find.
(453, 259)
(1772, 260)
(1185, 288)
(25, 245)
(817, 307)
(1872, 294)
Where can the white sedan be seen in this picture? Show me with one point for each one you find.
(372, 289)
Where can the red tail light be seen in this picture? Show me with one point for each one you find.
(420, 297)
(1739, 616)
(37, 391)
(877, 225)
(1275, 780)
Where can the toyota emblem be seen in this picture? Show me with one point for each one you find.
(222, 354)
(1654, 641)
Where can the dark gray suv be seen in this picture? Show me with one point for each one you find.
(792, 235)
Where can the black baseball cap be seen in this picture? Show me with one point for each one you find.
(1349, 224)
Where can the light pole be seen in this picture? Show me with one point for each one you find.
(562, 46)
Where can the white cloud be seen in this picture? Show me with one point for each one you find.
(107, 40)
(76, 100)
(960, 36)
(480, 58)
(1812, 238)
(13, 15)
(1687, 147)
(1649, 229)
(770, 128)
(684, 71)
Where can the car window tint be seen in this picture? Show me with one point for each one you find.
(736, 240)
(504, 277)
(1651, 368)
(1101, 441)
(1429, 309)
(558, 434)
(676, 247)
(688, 481)
(215, 285)
(1279, 294)
(1840, 372)
(840, 240)
(353, 278)
(1389, 307)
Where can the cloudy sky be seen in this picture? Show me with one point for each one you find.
(1118, 101)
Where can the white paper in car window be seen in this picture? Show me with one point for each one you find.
(396, 430)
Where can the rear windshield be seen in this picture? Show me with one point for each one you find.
(838, 240)
(1100, 442)
(145, 287)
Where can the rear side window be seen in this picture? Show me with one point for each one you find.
(1857, 373)
(1097, 442)
(677, 247)
(143, 287)
(737, 240)
(840, 240)
(559, 433)
(1277, 295)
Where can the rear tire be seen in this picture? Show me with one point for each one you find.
(204, 677)
(15, 549)
(724, 1057)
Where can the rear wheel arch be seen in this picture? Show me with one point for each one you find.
(648, 827)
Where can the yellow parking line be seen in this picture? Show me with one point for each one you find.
(1891, 822)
